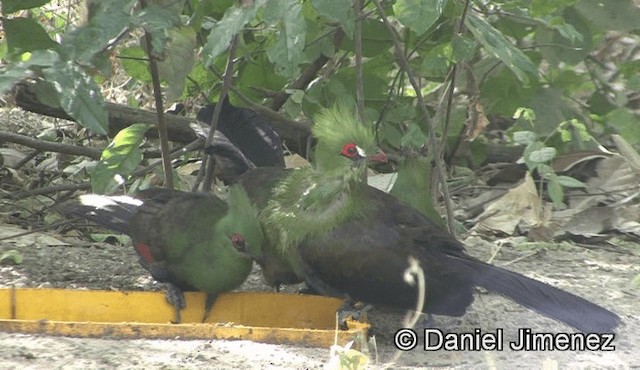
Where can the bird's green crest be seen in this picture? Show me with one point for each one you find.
(334, 128)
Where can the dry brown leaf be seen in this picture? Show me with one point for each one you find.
(520, 205)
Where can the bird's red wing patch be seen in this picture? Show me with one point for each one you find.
(144, 251)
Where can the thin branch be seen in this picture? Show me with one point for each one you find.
(226, 84)
(433, 143)
(357, 43)
(162, 126)
(49, 190)
(48, 146)
(452, 82)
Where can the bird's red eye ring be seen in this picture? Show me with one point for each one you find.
(238, 241)
(350, 150)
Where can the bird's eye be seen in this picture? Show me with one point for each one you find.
(350, 150)
(238, 242)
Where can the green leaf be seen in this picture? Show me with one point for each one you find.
(231, 23)
(541, 8)
(375, 39)
(119, 159)
(620, 15)
(413, 138)
(11, 257)
(258, 74)
(570, 182)
(565, 135)
(134, 61)
(524, 137)
(413, 186)
(157, 21)
(25, 34)
(286, 51)
(12, 6)
(543, 155)
(337, 10)
(418, 15)
(624, 122)
(551, 108)
(79, 95)
(555, 190)
(179, 59)
(462, 48)
(14, 74)
(497, 45)
(108, 20)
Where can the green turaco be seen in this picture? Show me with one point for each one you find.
(326, 226)
(191, 241)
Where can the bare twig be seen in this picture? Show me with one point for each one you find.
(49, 190)
(357, 43)
(434, 146)
(47, 146)
(207, 161)
(162, 127)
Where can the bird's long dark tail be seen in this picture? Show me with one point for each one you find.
(543, 298)
(112, 212)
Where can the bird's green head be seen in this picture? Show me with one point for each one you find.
(343, 142)
(241, 224)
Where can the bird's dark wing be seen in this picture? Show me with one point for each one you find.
(365, 259)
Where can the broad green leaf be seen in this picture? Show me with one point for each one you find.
(375, 39)
(418, 15)
(11, 257)
(157, 21)
(12, 75)
(119, 159)
(25, 34)
(541, 8)
(526, 155)
(543, 155)
(179, 60)
(624, 122)
(258, 74)
(567, 39)
(231, 23)
(551, 108)
(286, 51)
(108, 20)
(619, 15)
(12, 6)
(570, 182)
(565, 135)
(413, 186)
(462, 48)
(134, 61)
(497, 45)
(413, 138)
(337, 10)
(524, 137)
(79, 95)
(555, 190)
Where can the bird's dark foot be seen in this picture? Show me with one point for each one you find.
(176, 299)
(208, 305)
(352, 311)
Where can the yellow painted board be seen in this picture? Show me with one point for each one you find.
(262, 317)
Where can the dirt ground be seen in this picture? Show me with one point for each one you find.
(603, 274)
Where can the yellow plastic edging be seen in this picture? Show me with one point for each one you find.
(261, 317)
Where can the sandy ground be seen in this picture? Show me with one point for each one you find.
(601, 274)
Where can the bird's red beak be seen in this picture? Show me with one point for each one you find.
(378, 157)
